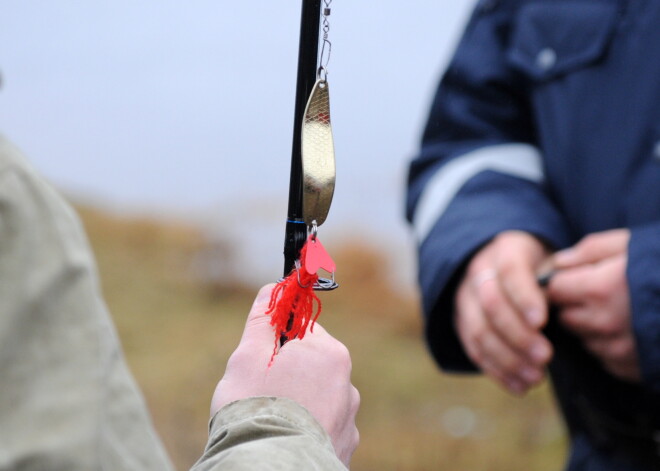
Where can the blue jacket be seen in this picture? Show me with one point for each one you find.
(547, 120)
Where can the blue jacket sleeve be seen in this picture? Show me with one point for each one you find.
(479, 172)
(644, 285)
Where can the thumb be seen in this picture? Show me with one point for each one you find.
(257, 326)
(593, 249)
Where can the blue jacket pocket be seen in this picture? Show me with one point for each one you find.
(552, 38)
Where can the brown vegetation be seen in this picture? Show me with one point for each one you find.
(178, 332)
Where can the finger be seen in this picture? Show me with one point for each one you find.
(617, 355)
(257, 327)
(507, 323)
(578, 320)
(493, 356)
(312, 340)
(571, 285)
(612, 349)
(507, 367)
(599, 324)
(521, 288)
(469, 321)
(517, 265)
(593, 248)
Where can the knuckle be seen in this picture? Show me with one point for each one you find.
(340, 355)
(356, 399)
(240, 357)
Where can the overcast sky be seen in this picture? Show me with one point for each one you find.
(187, 107)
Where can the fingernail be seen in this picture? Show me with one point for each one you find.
(534, 317)
(539, 352)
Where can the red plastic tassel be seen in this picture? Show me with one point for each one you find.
(292, 303)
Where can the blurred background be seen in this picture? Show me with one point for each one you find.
(168, 125)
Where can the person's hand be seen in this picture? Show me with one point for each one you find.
(500, 311)
(315, 372)
(591, 291)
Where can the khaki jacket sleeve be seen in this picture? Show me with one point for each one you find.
(67, 400)
(267, 433)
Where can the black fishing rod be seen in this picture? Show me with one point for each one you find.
(296, 229)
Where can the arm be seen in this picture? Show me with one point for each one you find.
(63, 369)
(267, 433)
(67, 399)
(299, 413)
(478, 175)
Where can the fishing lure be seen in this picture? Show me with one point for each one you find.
(294, 305)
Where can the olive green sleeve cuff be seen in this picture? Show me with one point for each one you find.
(267, 433)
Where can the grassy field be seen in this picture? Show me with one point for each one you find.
(178, 331)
